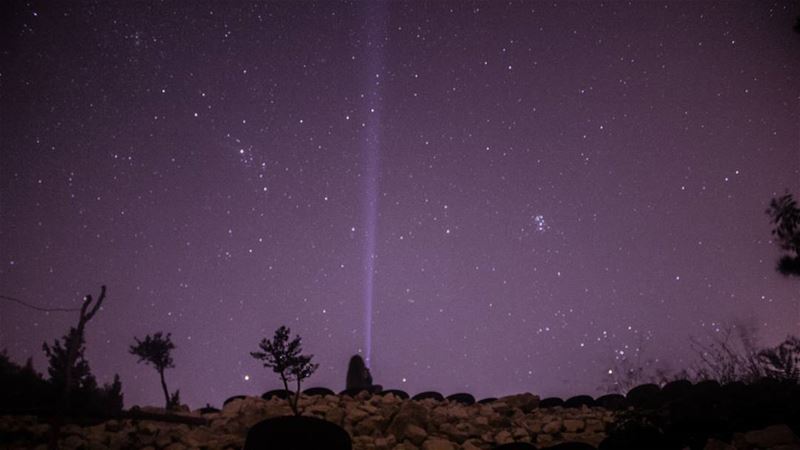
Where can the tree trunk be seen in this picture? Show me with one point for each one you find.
(164, 387)
(291, 401)
(297, 398)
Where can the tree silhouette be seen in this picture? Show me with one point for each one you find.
(284, 358)
(155, 350)
(785, 216)
(783, 361)
(68, 368)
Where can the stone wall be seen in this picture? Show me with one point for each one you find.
(374, 422)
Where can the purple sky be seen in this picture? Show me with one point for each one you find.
(519, 192)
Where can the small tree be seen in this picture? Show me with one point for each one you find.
(155, 350)
(785, 216)
(284, 358)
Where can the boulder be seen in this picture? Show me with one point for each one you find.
(645, 396)
(462, 397)
(551, 402)
(318, 392)
(676, 389)
(297, 432)
(578, 401)
(614, 402)
(428, 395)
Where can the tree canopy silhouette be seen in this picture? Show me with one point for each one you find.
(785, 217)
(156, 350)
(284, 358)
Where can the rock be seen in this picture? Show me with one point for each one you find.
(594, 426)
(544, 439)
(364, 442)
(463, 398)
(355, 414)
(471, 444)
(335, 415)
(385, 442)
(503, 437)
(573, 425)
(645, 396)
(579, 401)
(771, 436)
(526, 402)
(414, 433)
(438, 444)
(534, 425)
(615, 402)
(456, 433)
(552, 427)
(410, 413)
(551, 402)
(458, 412)
(369, 425)
(428, 395)
(519, 434)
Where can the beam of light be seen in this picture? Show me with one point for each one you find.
(376, 40)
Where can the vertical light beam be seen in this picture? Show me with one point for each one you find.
(376, 40)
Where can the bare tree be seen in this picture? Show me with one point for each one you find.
(66, 362)
(730, 355)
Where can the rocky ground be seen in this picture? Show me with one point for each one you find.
(374, 422)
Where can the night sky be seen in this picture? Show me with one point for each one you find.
(483, 197)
